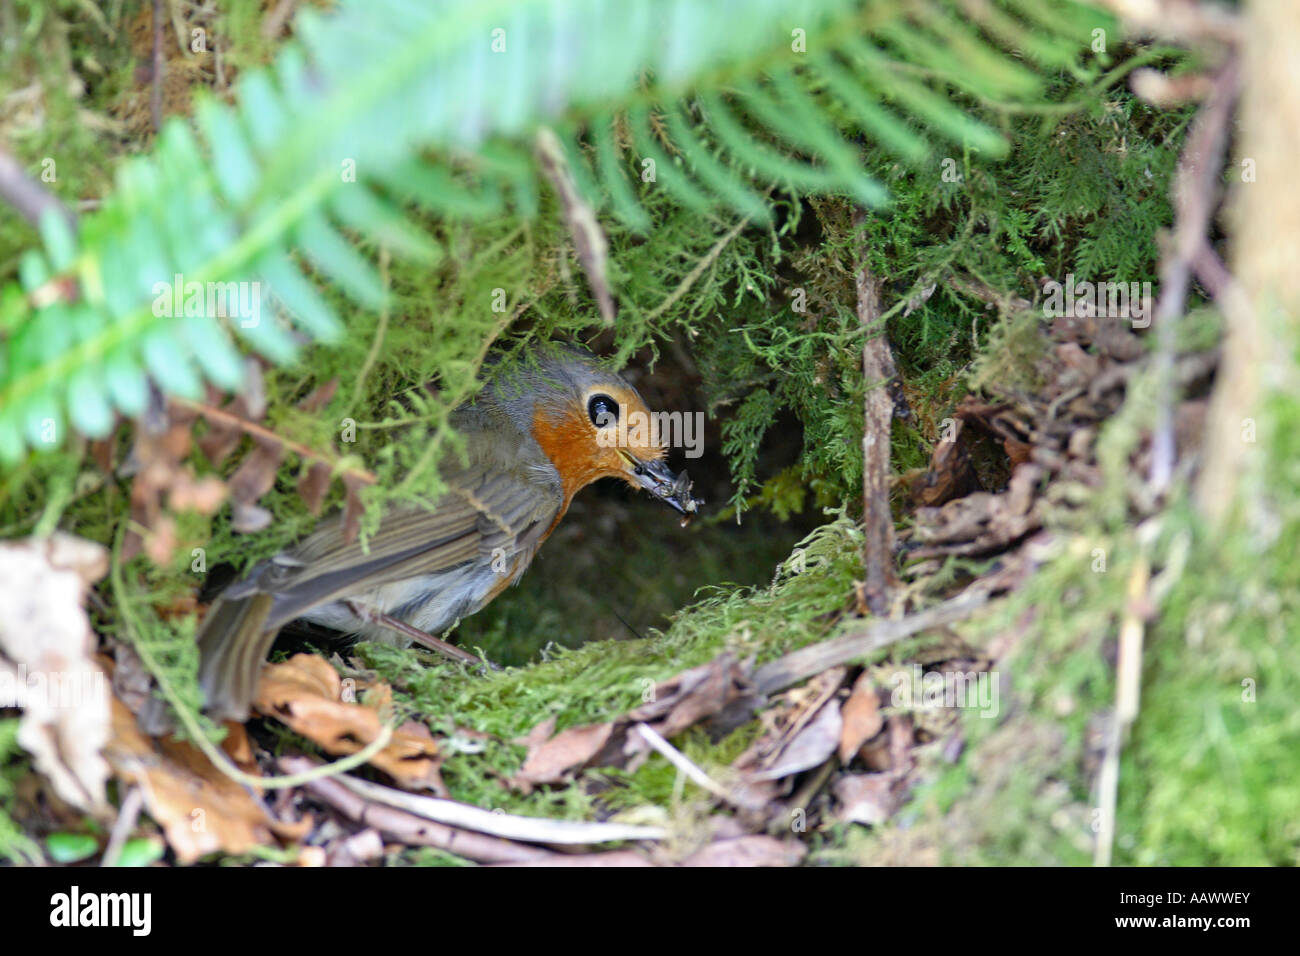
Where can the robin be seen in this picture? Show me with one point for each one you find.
(538, 432)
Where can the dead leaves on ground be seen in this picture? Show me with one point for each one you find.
(1048, 437)
(47, 663)
(306, 694)
(695, 695)
(830, 750)
(163, 482)
(201, 810)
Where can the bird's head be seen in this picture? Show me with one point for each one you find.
(592, 424)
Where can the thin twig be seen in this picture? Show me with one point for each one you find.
(806, 662)
(700, 267)
(276, 20)
(589, 242)
(1195, 196)
(879, 370)
(155, 92)
(260, 431)
(506, 825)
(27, 196)
(127, 816)
(406, 827)
(684, 763)
(1128, 685)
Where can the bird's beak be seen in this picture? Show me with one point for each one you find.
(658, 479)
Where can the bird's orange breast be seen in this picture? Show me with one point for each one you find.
(568, 442)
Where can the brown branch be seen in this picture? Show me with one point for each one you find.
(27, 196)
(879, 371)
(809, 661)
(1195, 197)
(260, 431)
(589, 240)
(408, 828)
(155, 91)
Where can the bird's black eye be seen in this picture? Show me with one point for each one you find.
(603, 411)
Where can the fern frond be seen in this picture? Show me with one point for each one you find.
(342, 126)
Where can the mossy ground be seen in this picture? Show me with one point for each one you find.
(1208, 774)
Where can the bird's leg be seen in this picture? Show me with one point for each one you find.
(424, 639)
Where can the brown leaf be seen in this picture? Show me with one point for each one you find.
(568, 751)
(254, 478)
(862, 719)
(203, 495)
(320, 396)
(223, 437)
(48, 662)
(749, 851)
(352, 507)
(312, 485)
(675, 704)
(811, 747)
(200, 809)
(306, 694)
(684, 700)
(865, 797)
(901, 738)
(950, 473)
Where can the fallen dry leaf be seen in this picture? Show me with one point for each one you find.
(47, 665)
(553, 760)
(306, 694)
(252, 479)
(749, 851)
(680, 702)
(862, 719)
(810, 747)
(200, 809)
(691, 696)
(865, 797)
(801, 734)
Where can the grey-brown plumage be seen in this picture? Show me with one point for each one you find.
(428, 568)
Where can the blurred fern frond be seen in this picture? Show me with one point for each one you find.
(390, 102)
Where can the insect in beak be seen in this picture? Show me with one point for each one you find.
(658, 479)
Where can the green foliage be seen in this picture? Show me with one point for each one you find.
(327, 140)
(761, 155)
(15, 845)
(602, 679)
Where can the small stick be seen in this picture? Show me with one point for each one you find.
(26, 195)
(1128, 686)
(155, 93)
(879, 371)
(809, 661)
(505, 825)
(1195, 194)
(122, 827)
(683, 763)
(252, 428)
(410, 829)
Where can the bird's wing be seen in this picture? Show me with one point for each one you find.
(483, 510)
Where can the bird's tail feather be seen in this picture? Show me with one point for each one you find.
(233, 643)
